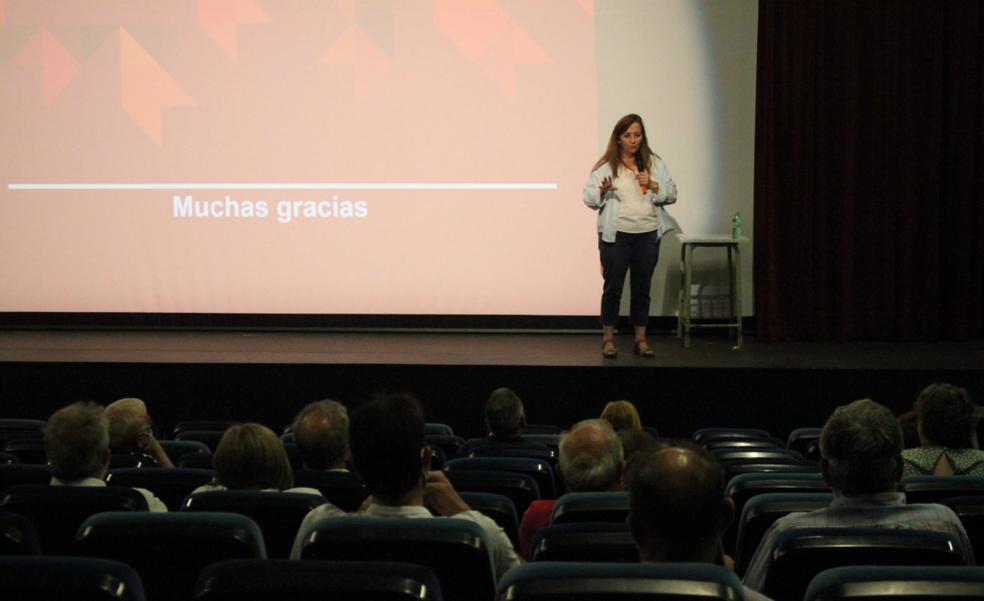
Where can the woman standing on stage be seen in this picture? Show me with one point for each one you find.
(628, 186)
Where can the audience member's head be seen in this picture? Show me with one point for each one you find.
(321, 434)
(388, 450)
(909, 422)
(946, 417)
(677, 506)
(638, 442)
(504, 415)
(129, 425)
(622, 415)
(591, 457)
(251, 457)
(861, 449)
(76, 440)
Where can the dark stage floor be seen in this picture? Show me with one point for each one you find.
(544, 350)
(267, 376)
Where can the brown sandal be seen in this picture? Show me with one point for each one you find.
(643, 349)
(608, 350)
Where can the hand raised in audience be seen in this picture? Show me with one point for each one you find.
(441, 497)
(147, 443)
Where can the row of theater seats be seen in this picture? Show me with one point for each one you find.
(602, 537)
(757, 463)
(184, 556)
(84, 579)
(22, 439)
(762, 498)
(57, 512)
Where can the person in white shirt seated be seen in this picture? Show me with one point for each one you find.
(861, 461)
(389, 452)
(251, 457)
(76, 440)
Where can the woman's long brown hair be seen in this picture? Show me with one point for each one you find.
(613, 155)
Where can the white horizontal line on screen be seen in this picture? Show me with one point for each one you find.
(283, 186)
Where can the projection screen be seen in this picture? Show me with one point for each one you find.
(351, 157)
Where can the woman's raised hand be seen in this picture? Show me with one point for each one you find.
(606, 185)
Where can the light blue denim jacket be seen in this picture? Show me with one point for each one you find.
(607, 205)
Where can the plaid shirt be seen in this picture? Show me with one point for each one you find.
(881, 510)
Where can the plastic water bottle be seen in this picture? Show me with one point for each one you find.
(736, 226)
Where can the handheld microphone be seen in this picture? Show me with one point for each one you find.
(641, 167)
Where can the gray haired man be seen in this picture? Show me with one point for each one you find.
(861, 460)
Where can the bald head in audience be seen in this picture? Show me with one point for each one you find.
(321, 432)
(505, 417)
(678, 509)
(591, 457)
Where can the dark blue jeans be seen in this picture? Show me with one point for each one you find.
(635, 252)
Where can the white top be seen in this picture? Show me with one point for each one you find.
(503, 554)
(153, 503)
(219, 487)
(609, 206)
(636, 214)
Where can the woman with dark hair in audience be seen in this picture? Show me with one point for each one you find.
(947, 425)
(251, 457)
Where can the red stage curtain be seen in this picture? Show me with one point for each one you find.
(869, 212)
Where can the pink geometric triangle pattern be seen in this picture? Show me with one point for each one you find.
(220, 20)
(376, 20)
(587, 6)
(58, 66)
(146, 88)
(354, 47)
(489, 37)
